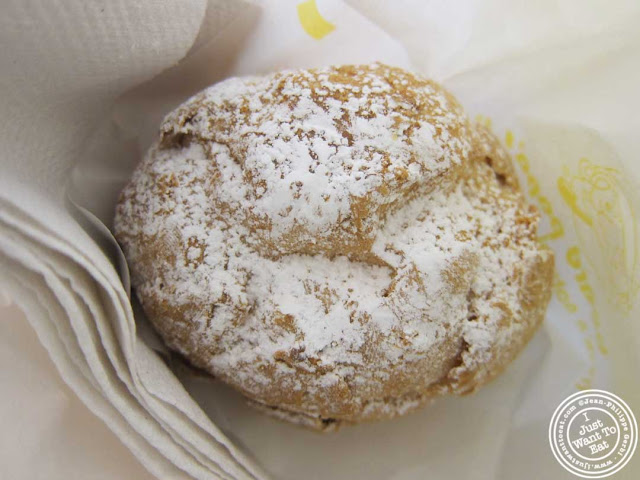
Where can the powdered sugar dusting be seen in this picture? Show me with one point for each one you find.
(312, 239)
(307, 143)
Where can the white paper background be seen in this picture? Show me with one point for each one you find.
(51, 435)
(561, 76)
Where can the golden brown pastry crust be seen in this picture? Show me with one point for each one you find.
(338, 244)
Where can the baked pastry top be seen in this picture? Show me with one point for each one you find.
(339, 244)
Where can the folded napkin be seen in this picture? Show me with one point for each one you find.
(83, 87)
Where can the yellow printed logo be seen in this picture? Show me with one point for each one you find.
(312, 22)
(604, 221)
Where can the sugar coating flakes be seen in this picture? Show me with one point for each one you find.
(317, 221)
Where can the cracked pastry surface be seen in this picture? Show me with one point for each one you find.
(338, 244)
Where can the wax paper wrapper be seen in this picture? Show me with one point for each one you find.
(84, 88)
